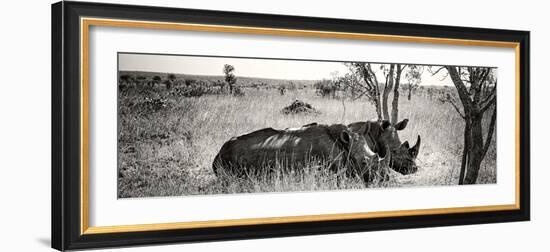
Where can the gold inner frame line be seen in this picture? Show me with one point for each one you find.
(86, 23)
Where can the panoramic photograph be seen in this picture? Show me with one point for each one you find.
(204, 125)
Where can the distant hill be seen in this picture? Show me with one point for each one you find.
(241, 80)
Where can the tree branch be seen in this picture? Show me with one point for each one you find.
(437, 71)
(484, 75)
(460, 87)
(478, 82)
(488, 104)
(402, 68)
(374, 80)
(465, 80)
(491, 93)
(456, 107)
(360, 95)
(357, 97)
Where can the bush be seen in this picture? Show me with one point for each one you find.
(195, 89)
(291, 86)
(153, 104)
(123, 87)
(189, 82)
(326, 88)
(282, 89)
(126, 78)
(258, 85)
(237, 91)
(141, 78)
(139, 105)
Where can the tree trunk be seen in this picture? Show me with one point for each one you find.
(376, 99)
(378, 108)
(387, 89)
(465, 152)
(409, 96)
(395, 102)
(476, 154)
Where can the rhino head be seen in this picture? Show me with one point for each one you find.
(382, 137)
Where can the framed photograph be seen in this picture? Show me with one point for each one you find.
(181, 125)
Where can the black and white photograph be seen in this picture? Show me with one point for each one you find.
(203, 125)
(274, 126)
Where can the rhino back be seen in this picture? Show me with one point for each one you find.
(264, 148)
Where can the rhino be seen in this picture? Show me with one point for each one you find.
(263, 150)
(383, 139)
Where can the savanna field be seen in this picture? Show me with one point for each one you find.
(167, 141)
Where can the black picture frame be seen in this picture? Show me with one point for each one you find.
(66, 125)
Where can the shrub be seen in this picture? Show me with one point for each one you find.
(258, 85)
(196, 89)
(153, 104)
(189, 82)
(282, 89)
(237, 91)
(326, 88)
(141, 78)
(126, 78)
(291, 86)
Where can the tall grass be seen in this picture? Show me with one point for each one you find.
(168, 149)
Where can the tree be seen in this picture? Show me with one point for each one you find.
(171, 80)
(125, 79)
(230, 79)
(140, 79)
(282, 89)
(364, 79)
(476, 87)
(414, 77)
(156, 80)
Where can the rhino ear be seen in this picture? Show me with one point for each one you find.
(345, 137)
(368, 128)
(385, 124)
(359, 127)
(401, 125)
(405, 145)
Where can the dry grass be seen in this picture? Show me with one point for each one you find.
(167, 149)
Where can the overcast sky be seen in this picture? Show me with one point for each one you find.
(262, 68)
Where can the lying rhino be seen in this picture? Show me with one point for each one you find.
(382, 137)
(263, 150)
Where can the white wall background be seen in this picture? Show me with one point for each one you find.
(25, 125)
